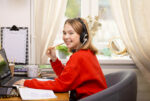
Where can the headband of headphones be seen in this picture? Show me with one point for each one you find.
(84, 34)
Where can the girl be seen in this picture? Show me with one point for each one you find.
(82, 74)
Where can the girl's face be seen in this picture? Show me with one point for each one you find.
(70, 37)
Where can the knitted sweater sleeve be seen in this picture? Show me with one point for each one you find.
(57, 66)
(67, 79)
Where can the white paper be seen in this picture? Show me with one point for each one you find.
(35, 94)
(14, 43)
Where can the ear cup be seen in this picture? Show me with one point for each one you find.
(84, 34)
(82, 37)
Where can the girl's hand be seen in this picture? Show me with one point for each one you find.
(20, 82)
(51, 53)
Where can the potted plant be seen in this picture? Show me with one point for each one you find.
(62, 51)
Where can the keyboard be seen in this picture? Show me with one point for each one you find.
(3, 91)
(13, 80)
(8, 92)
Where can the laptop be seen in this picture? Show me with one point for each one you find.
(6, 78)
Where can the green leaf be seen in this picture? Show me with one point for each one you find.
(63, 49)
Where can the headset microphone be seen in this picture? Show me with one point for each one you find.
(85, 38)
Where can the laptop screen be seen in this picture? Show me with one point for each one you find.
(4, 65)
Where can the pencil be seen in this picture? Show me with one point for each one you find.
(58, 45)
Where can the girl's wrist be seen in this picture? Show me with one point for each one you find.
(54, 59)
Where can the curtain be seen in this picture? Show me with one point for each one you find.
(132, 17)
(88, 8)
(48, 17)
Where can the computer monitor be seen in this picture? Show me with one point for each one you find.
(4, 65)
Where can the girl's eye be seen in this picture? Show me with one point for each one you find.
(71, 33)
(64, 33)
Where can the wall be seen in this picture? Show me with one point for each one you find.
(15, 12)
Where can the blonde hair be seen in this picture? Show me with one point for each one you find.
(78, 27)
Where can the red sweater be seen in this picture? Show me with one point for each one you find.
(82, 73)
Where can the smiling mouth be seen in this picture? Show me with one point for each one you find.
(68, 42)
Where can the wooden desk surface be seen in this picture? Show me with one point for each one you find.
(60, 97)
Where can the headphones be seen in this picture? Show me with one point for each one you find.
(84, 34)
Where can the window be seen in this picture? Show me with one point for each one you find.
(84, 8)
(73, 8)
(108, 27)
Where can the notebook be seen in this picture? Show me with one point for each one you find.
(5, 74)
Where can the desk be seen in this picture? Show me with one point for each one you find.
(60, 97)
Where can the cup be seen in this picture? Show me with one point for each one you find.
(33, 71)
(12, 66)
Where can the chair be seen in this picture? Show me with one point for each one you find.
(122, 86)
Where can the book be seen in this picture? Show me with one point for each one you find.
(35, 94)
(20, 70)
(48, 73)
